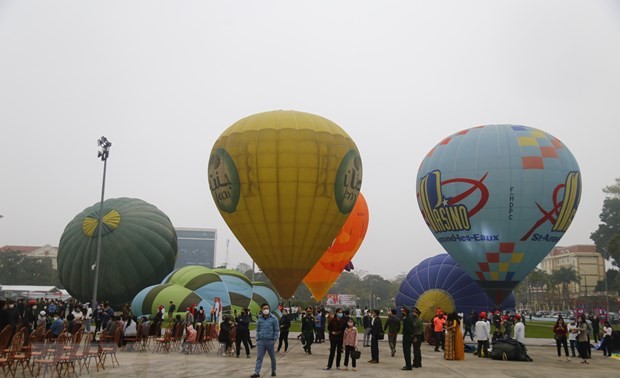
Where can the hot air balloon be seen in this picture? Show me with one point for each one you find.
(205, 282)
(440, 282)
(138, 249)
(264, 293)
(329, 267)
(498, 198)
(239, 287)
(150, 298)
(285, 183)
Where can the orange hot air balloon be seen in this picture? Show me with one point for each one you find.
(327, 270)
(285, 182)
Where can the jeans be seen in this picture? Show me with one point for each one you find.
(468, 330)
(367, 336)
(265, 346)
(283, 337)
(392, 342)
(335, 348)
(440, 338)
(483, 348)
(243, 336)
(559, 343)
(573, 345)
(348, 351)
(605, 346)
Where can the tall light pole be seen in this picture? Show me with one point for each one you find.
(104, 151)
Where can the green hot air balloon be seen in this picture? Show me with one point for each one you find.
(138, 249)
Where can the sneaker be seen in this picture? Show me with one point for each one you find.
(345, 368)
(327, 368)
(354, 369)
(393, 353)
(273, 373)
(255, 375)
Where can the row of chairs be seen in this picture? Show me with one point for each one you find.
(58, 355)
(174, 335)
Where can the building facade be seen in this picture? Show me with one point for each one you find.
(196, 247)
(584, 259)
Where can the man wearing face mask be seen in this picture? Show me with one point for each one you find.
(267, 332)
(12, 315)
(31, 316)
(375, 329)
(335, 328)
(307, 329)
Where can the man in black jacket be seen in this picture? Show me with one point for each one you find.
(407, 336)
(392, 327)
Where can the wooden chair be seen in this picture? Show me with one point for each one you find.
(70, 356)
(36, 350)
(22, 355)
(110, 349)
(209, 334)
(52, 361)
(48, 336)
(130, 341)
(8, 363)
(162, 344)
(86, 355)
(177, 336)
(144, 339)
(5, 339)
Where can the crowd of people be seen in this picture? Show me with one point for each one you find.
(446, 332)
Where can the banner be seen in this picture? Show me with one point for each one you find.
(344, 300)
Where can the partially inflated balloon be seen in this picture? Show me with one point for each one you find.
(438, 282)
(138, 249)
(498, 198)
(329, 267)
(285, 183)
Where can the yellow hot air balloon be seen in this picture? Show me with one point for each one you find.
(285, 183)
(329, 267)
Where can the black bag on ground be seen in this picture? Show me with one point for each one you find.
(509, 350)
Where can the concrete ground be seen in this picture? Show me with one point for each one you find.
(298, 364)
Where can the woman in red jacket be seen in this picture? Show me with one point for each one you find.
(560, 331)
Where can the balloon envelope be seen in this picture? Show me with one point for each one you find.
(264, 293)
(329, 267)
(205, 282)
(498, 198)
(138, 249)
(440, 282)
(285, 183)
(239, 287)
(150, 298)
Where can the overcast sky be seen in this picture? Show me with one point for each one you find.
(162, 80)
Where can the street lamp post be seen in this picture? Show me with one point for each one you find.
(104, 151)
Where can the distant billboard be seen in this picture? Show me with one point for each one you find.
(343, 300)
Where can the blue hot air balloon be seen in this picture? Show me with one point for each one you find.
(498, 198)
(440, 282)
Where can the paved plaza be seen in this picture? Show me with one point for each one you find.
(298, 364)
